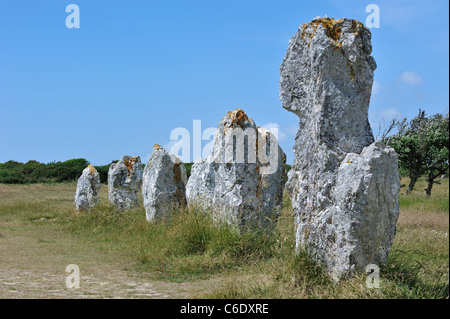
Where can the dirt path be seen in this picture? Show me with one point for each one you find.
(33, 265)
(34, 255)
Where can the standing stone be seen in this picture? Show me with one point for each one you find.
(124, 182)
(242, 180)
(343, 186)
(164, 185)
(88, 187)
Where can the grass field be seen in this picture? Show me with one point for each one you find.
(121, 255)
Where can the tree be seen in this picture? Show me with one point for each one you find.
(406, 144)
(434, 143)
(422, 147)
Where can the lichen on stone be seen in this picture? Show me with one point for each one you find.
(129, 164)
(157, 147)
(238, 192)
(236, 118)
(164, 184)
(124, 182)
(92, 169)
(340, 200)
(88, 187)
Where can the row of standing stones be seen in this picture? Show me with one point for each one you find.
(240, 189)
(343, 185)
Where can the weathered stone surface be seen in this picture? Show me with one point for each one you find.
(88, 187)
(242, 180)
(124, 182)
(345, 204)
(164, 185)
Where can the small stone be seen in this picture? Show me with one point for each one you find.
(124, 182)
(88, 187)
(164, 185)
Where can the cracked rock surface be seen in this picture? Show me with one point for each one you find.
(343, 185)
(124, 182)
(88, 187)
(242, 180)
(164, 184)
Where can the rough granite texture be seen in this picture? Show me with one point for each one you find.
(88, 187)
(242, 180)
(163, 185)
(345, 204)
(124, 182)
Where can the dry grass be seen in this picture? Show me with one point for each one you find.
(190, 256)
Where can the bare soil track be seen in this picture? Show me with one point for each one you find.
(35, 250)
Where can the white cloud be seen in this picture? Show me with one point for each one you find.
(411, 78)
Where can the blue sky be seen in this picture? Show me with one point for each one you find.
(135, 70)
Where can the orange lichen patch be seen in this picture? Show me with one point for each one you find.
(238, 118)
(352, 71)
(157, 147)
(177, 172)
(92, 169)
(331, 26)
(303, 31)
(129, 164)
(356, 27)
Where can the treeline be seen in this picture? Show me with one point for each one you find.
(13, 172)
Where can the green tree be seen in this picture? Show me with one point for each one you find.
(406, 144)
(422, 147)
(434, 143)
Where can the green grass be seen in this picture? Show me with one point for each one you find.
(191, 245)
(255, 265)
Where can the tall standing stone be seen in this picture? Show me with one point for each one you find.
(242, 180)
(343, 186)
(164, 185)
(124, 182)
(88, 187)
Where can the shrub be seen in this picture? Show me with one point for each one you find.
(13, 172)
(103, 172)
